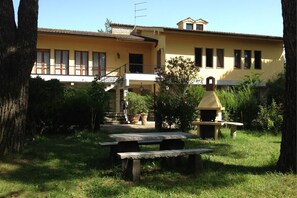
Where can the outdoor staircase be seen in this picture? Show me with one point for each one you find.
(110, 81)
(114, 118)
(114, 77)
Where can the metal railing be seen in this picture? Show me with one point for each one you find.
(110, 77)
(114, 75)
(67, 70)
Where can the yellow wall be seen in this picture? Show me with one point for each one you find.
(158, 35)
(272, 54)
(111, 47)
(173, 44)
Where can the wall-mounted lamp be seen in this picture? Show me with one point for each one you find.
(118, 55)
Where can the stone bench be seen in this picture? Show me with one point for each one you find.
(233, 127)
(141, 142)
(116, 147)
(131, 160)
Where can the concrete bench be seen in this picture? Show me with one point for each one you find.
(141, 142)
(116, 147)
(131, 160)
(233, 127)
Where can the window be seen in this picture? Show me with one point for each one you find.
(159, 58)
(99, 63)
(258, 59)
(199, 27)
(247, 59)
(61, 62)
(198, 57)
(220, 58)
(81, 63)
(136, 63)
(209, 57)
(43, 61)
(237, 58)
(189, 26)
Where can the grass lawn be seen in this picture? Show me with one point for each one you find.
(76, 166)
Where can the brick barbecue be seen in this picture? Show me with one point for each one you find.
(210, 109)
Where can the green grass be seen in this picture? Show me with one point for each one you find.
(76, 166)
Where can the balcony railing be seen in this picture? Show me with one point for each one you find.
(81, 71)
(67, 70)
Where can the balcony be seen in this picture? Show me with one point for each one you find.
(87, 74)
(64, 74)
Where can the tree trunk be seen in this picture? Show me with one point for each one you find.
(288, 156)
(17, 56)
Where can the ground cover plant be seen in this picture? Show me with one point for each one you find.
(76, 166)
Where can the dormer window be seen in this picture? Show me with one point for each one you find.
(189, 26)
(199, 27)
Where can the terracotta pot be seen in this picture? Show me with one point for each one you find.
(134, 118)
(143, 118)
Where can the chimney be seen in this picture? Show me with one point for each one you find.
(210, 100)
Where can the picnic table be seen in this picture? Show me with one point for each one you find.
(126, 147)
(169, 140)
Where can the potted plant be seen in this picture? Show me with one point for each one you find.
(134, 107)
(145, 104)
(138, 105)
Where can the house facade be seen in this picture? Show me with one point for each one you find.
(127, 58)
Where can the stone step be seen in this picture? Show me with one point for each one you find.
(114, 118)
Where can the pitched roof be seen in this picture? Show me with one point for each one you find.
(189, 19)
(95, 34)
(205, 32)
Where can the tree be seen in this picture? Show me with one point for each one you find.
(175, 100)
(288, 155)
(17, 56)
(107, 26)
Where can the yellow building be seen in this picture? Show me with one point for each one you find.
(126, 59)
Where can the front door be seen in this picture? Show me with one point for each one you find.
(136, 63)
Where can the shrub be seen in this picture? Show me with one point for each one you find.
(270, 118)
(85, 105)
(53, 108)
(76, 108)
(276, 89)
(45, 102)
(97, 101)
(241, 103)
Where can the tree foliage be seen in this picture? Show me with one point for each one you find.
(176, 100)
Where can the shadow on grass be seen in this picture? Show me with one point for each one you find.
(58, 158)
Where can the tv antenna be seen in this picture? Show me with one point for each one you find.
(137, 10)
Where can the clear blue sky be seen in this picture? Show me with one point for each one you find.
(241, 16)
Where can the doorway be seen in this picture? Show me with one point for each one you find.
(136, 63)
